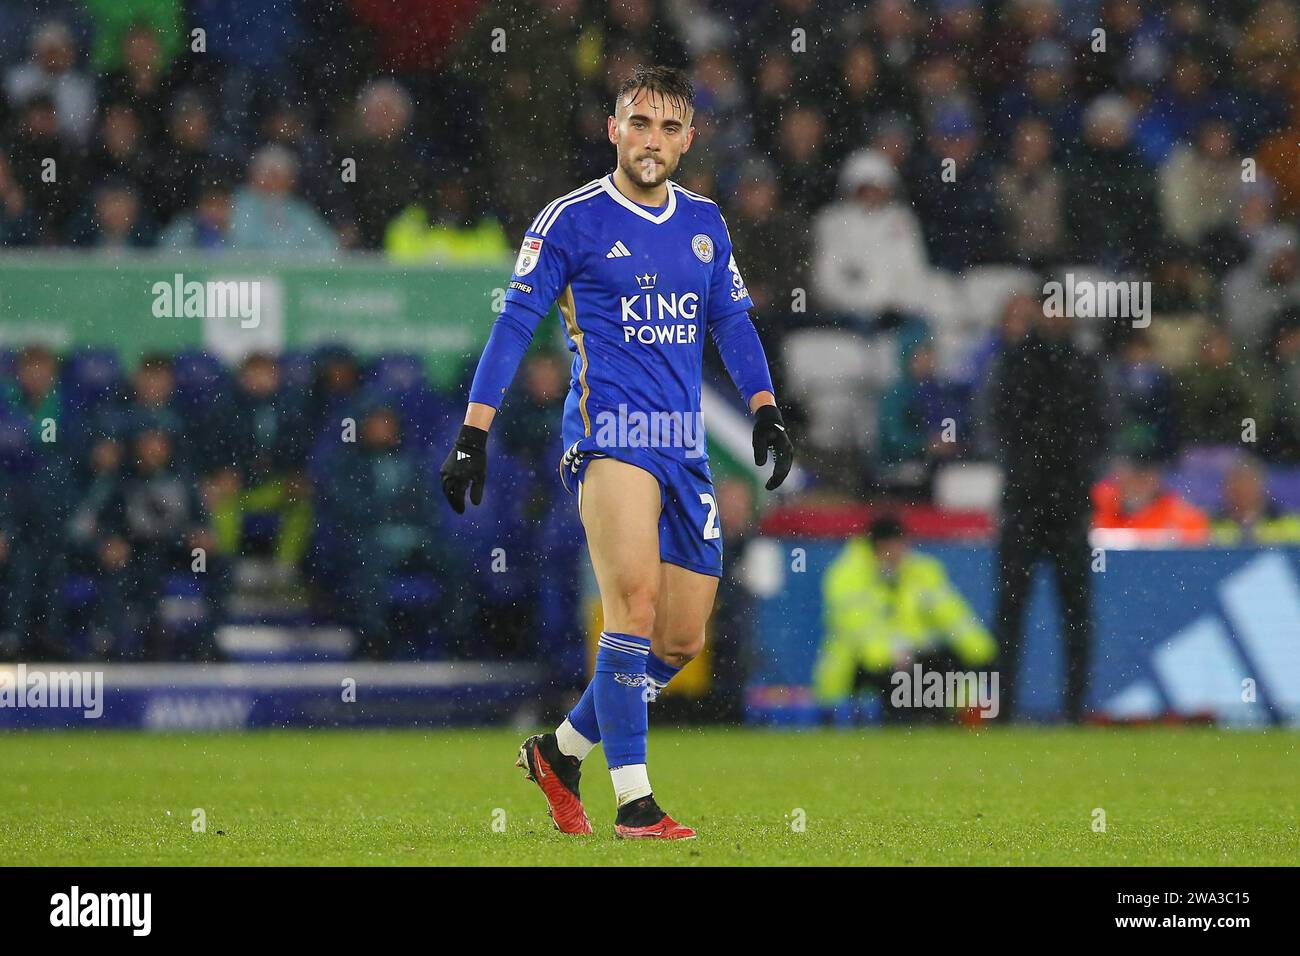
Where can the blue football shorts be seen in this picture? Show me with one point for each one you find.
(689, 533)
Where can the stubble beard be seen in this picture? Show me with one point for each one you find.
(635, 170)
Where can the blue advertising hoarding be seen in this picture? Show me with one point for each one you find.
(1196, 632)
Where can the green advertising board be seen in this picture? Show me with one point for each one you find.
(231, 307)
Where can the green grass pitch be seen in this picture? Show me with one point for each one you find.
(889, 797)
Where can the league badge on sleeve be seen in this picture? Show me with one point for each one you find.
(738, 290)
(529, 253)
(702, 245)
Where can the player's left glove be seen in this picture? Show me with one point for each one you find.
(769, 432)
(465, 468)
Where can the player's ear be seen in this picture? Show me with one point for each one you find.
(690, 138)
(612, 125)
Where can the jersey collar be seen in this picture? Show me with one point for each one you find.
(618, 197)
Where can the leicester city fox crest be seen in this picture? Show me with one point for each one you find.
(702, 246)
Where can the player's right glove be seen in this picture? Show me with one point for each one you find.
(769, 432)
(465, 467)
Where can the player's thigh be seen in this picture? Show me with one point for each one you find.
(619, 505)
(685, 602)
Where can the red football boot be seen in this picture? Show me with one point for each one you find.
(643, 820)
(557, 774)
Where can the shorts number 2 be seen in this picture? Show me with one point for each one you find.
(711, 529)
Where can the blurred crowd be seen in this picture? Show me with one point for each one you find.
(900, 179)
(141, 511)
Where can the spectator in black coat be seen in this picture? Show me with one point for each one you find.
(958, 203)
(45, 171)
(1110, 194)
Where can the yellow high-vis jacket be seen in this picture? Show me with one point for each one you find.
(1283, 529)
(409, 237)
(870, 622)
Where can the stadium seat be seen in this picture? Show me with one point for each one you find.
(1200, 471)
(413, 590)
(942, 305)
(985, 291)
(837, 375)
(397, 372)
(1284, 487)
(199, 376)
(498, 524)
(182, 586)
(15, 442)
(952, 348)
(181, 600)
(399, 380)
(967, 486)
(559, 596)
(90, 379)
(297, 371)
(79, 590)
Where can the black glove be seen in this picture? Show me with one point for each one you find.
(465, 467)
(769, 432)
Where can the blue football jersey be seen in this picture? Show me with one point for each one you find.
(638, 289)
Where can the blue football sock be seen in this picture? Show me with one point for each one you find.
(659, 671)
(583, 715)
(620, 697)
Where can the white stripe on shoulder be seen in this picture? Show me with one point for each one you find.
(552, 204)
(696, 196)
(577, 196)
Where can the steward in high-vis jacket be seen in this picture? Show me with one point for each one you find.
(887, 607)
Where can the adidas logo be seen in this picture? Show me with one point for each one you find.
(618, 251)
(460, 455)
(1244, 642)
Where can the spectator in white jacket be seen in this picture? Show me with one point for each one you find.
(1200, 182)
(52, 72)
(1255, 292)
(868, 250)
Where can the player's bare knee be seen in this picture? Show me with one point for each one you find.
(681, 649)
(635, 610)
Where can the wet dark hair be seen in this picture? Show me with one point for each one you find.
(155, 360)
(253, 359)
(667, 82)
(36, 353)
(885, 527)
